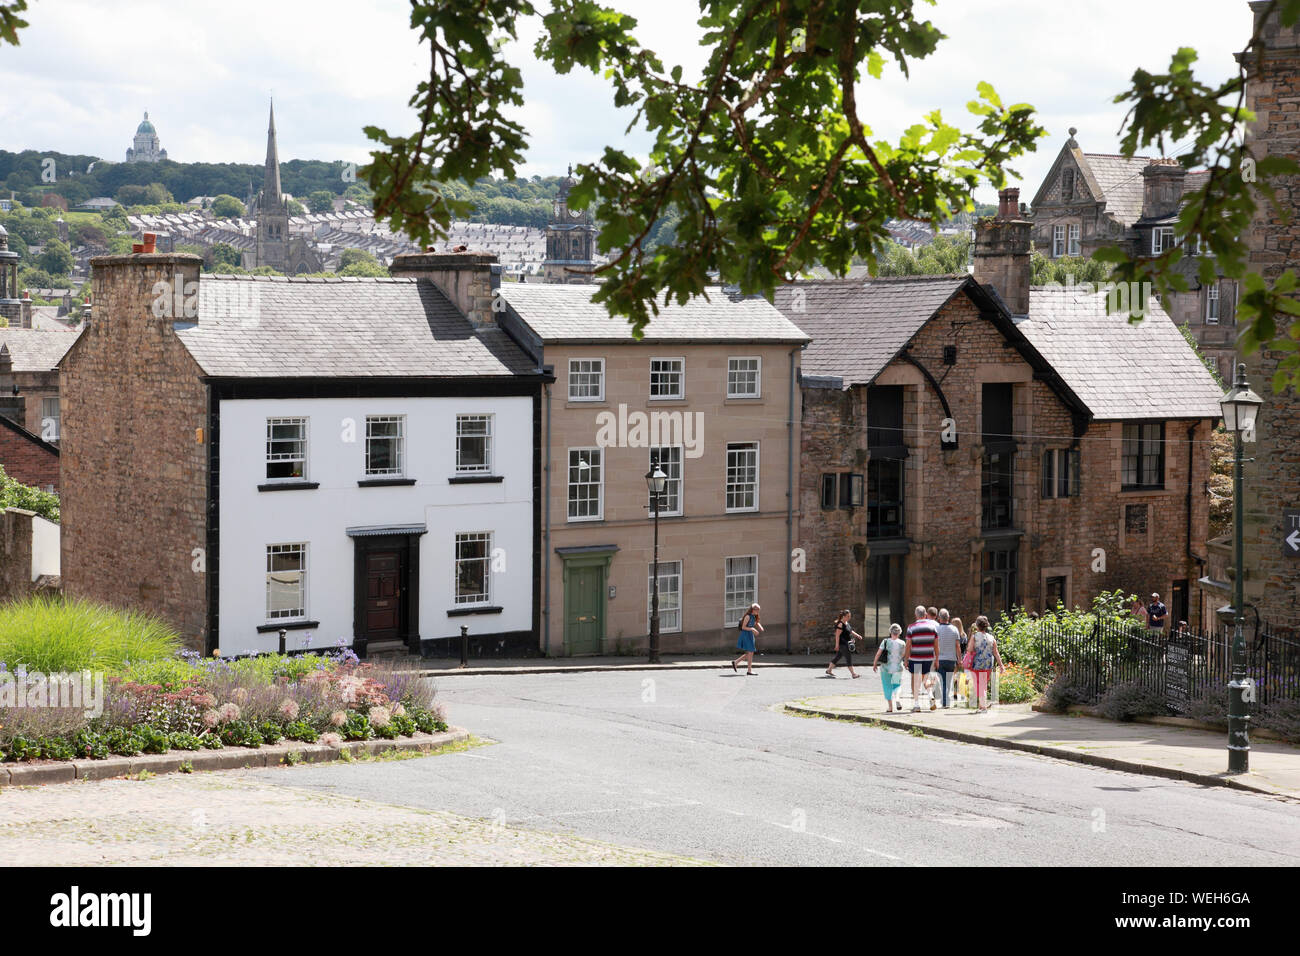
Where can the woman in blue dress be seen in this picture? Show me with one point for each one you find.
(750, 628)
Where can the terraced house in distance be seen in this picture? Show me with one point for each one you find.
(708, 394)
(344, 459)
(975, 443)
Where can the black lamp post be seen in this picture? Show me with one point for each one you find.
(1240, 407)
(656, 481)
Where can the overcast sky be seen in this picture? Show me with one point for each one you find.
(87, 70)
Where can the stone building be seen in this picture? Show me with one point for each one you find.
(146, 148)
(977, 443)
(708, 394)
(570, 241)
(1091, 200)
(257, 459)
(1272, 470)
(275, 247)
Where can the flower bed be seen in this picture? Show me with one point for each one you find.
(188, 703)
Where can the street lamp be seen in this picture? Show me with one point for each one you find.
(1240, 407)
(656, 481)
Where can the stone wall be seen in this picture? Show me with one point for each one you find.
(134, 483)
(15, 553)
(833, 428)
(1272, 480)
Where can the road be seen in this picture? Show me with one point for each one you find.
(703, 764)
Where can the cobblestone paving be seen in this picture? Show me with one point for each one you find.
(229, 818)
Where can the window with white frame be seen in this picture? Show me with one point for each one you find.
(587, 380)
(670, 595)
(744, 377)
(1212, 305)
(473, 444)
(1072, 244)
(740, 587)
(1162, 239)
(286, 582)
(586, 484)
(1058, 241)
(742, 476)
(474, 568)
(669, 460)
(50, 418)
(667, 378)
(385, 436)
(1202, 247)
(286, 449)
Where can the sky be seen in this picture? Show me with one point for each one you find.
(87, 70)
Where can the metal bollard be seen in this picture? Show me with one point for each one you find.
(283, 632)
(464, 645)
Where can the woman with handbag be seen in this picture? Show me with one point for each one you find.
(844, 638)
(981, 655)
(891, 678)
(750, 628)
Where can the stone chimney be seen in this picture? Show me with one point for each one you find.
(133, 292)
(1002, 251)
(1162, 188)
(469, 279)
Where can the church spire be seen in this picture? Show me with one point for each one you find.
(271, 195)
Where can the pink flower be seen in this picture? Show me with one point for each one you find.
(380, 716)
(440, 712)
(289, 709)
(228, 712)
(331, 740)
(239, 695)
(338, 718)
(211, 718)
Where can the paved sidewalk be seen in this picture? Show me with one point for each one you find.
(1199, 756)
(578, 665)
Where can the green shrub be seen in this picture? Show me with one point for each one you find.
(180, 740)
(53, 634)
(1016, 685)
(426, 720)
(23, 748)
(301, 730)
(211, 742)
(14, 494)
(356, 727)
(152, 741)
(240, 733)
(124, 742)
(57, 748)
(271, 732)
(403, 724)
(90, 743)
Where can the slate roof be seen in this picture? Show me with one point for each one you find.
(277, 327)
(1119, 369)
(1120, 180)
(37, 350)
(565, 313)
(859, 327)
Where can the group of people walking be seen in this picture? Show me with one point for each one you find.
(931, 650)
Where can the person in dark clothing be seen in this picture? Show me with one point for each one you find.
(844, 636)
(1156, 614)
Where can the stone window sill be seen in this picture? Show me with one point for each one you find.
(286, 626)
(289, 486)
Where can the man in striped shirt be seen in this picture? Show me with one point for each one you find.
(920, 652)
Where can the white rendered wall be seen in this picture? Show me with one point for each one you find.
(250, 520)
(45, 546)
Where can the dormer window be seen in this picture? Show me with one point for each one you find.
(1162, 239)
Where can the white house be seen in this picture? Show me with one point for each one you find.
(372, 463)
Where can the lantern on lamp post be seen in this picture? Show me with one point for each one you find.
(1240, 408)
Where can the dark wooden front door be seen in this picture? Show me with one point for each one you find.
(383, 611)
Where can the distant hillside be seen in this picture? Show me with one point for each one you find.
(525, 202)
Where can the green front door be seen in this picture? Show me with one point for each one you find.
(584, 609)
